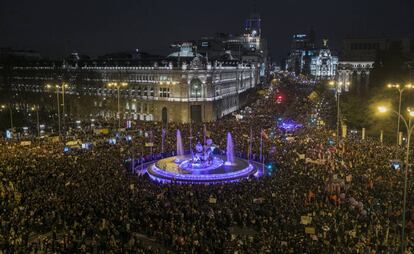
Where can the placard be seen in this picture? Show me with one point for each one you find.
(212, 200)
(310, 230)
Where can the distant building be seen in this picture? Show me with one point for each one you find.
(248, 47)
(200, 81)
(307, 58)
(301, 50)
(359, 55)
(170, 90)
(357, 60)
(323, 64)
(7, 53)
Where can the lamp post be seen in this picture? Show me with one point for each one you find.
(57, 87)
(338, 85)
(36, 108)
(400, 91)
(63, 86)
(118, 86)
(410, 128)
(11, 115)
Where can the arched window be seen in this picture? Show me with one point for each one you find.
(195, 88)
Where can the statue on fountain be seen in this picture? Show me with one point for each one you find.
(203, 155)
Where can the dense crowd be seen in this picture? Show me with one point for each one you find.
(316, 197)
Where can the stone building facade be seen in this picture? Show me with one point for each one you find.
(190, 90)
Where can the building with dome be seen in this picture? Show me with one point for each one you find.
(200, 81)
(307, 58)
(183, 87)
(323, 64)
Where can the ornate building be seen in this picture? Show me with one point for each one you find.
(323, 64)
(202, 81)
(357, 61)
(307, 59)
(249, 46)
(355, 74)
(301, 49)
(191, 89)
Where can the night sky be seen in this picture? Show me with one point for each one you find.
(95, 27)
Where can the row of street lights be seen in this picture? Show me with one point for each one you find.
(410, 128)
(338, 86)
(60, 89)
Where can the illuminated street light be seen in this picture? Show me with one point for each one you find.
(400, 90)
(382, 109)
(57, 87)
(118, 86)
(338, 85)
(34, 108)
(410, 128)
(11, 114)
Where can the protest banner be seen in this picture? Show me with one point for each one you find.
(310, 230)
(212, 200)
(26, 143)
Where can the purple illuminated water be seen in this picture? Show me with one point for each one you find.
(230, 150)
(180, 148)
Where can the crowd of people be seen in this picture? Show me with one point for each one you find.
(316, 196)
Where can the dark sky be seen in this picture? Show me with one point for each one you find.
(93, 27)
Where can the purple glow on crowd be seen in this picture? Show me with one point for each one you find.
(289, 125)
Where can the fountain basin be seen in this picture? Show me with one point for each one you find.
(169, 170)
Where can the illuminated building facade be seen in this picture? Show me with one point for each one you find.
(301, 50)
(323, 64)
(307, 59)
(191, 89)
(202, 80)
(357, 61)
(248, 47)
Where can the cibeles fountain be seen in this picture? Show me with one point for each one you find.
(204, 164)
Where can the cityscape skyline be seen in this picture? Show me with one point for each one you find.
(95, 29)
(255, 126)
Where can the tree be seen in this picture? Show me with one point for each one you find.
(356, 112)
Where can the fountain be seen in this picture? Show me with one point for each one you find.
(180, 148)
(202, 158)
(202, 165)
(230, 150)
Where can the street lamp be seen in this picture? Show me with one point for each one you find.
(400, 90)
(410, 128)
(338, 86)
(118, 86)
(57, 87)
(63, 87)
(36, 108)
(11, 115)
